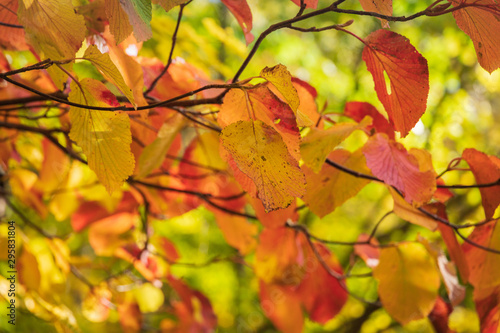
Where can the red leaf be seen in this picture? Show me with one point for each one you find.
(482, 23)
(488, 309)
(486, 169)
(358, 110)
(389, 161)
(406, 98)
(241, 11)
(442, 194)
(439, 316)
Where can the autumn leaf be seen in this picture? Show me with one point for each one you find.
(237, 231)
(282, 306)
(488, 308)
(389, 161)
(486, 169)
(261, 154)
(388, 53)
(383, 7)
(280, 77)
(331, 187)
(169, 4)
(139, 15)
(153, 155)
(309, 3)
(277, 218)
(28, 269)
(411, 214)
(103, 136)
(407, 272)
(481, 22)
(369, 253)
(104, 64)
(316, 146)
(261, 104)
(439, 316)
(242, 13)
(483, 265)
(359, 110)
(119, 24)
(14, 39)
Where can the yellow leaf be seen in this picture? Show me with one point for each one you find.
(411, 214)
(103, 136)
(261, 154)
(52, 24)
(318, 143)
(331, 187)
(153, 155)
(119, 24)
(54, 30)
(149, 297)
(29, 273)
(280, 77)
(104, 64)
(408, 281)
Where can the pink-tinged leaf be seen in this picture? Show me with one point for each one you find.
(389, 161)
(481, 22)
(243, 15)
(368, 253)
(383, 7)
(483, 265)
(488, 308)
(486, 169)
(405, 99)
(359, 110)
(309, 3)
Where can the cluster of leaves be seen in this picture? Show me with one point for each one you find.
(112, 151)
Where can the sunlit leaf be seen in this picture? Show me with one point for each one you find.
(411, 214)
(389, 161)
(139, 15)
(280, 77)
(486, 169)
(96, 305)
(119, 24)
(405, 99)
(481, 22)
(331, 187)
(316, 146)
(103, 136)
(260, 153)
(104, 64)
(407, 272)
(169, 4)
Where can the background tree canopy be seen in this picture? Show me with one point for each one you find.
(250, 166)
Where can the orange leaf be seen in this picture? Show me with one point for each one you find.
(330, 188)
(276, 218)
(130, 317)
(282, 307)
(309, 3)
(242, 13)
(359, 110)
(237, 231)
(383, 7)
(321, 293)
(411, 214)
(486, 169)
(280, 77)
(261, 154)
(481, 22)
(483, 265)
(389, 161)
(14, 37)
(387, 53)
(307, 114)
